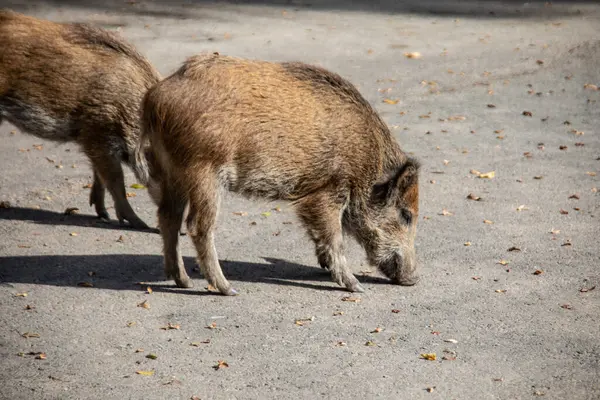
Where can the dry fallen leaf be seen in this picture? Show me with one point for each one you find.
(563, 212)
(377, 330)
(503, 262)
(567, 306)
(446, 212)
(72, 211)
(414, 54)
(500, 290)
(130, 194)
(451, 340)
(513, 248)
(428, 356)
(337, 313)
(149, 290)
(87, 186)
(145, 373)
(28, 335)
(341, 344)
(85, 284)
(522, 207)
(170, 326)
(487, 175)
(396, 311)
(303, 321)
(390, 101)
(40, 356)
(430, 389)
(73, 234)
(152, 356)
(574, 196)
(538, 272)
(527, 113)
(351, 299)
(370, 343)
(212, 326)
(471, 196)
(585, 290)
(476, 278)
(590, 86)
(130, 324)
(487, 221)
(197, 344)
(467, 243)
(221, 364)
(23, 294)
(591, 173)
(144, 304)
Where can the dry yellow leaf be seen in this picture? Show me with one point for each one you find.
(221, 364)
(390, 101)
(144, 304)
(351, 299)
(414, 54)
(487, 221)
(467, 243)
(145, 373)
(503, 262)
(428, 356)
(377, 330)
(21, 294)
(487, 175)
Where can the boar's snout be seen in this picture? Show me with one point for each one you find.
(402, 270)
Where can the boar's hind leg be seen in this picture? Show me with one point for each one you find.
(110, 172)
(97, 197)
(170, 217)
(202, 215)
(322, 218)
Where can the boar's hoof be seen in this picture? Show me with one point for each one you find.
(185, 283)
(408, 281)
(356, 287)
(229, 292)
(103, 215)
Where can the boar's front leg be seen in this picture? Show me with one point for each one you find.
(170, 217)
(202, 215)
(322, 217)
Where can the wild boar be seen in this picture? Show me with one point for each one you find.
(77, 83)
(279, 131)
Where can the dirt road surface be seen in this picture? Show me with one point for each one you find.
(506, 300)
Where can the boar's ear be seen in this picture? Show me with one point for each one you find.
(397, 183)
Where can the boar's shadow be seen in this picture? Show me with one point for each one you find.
(127, 271)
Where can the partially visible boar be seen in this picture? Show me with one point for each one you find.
(280, 131)
(77, 83)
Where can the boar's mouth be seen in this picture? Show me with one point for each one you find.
(395, 269)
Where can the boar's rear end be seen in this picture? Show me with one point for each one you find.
(280, 131)
(74, 82)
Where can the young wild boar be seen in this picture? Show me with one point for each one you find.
(77, 83)
(287, 131)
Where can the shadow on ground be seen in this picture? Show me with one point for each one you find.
(442, 8)
(46, 217)
(128, 271)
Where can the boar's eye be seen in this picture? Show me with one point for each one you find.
(406, 215)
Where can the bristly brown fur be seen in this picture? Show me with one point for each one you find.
(76, 82)
(281, 131)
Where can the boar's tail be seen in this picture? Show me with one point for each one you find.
(141, 167)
